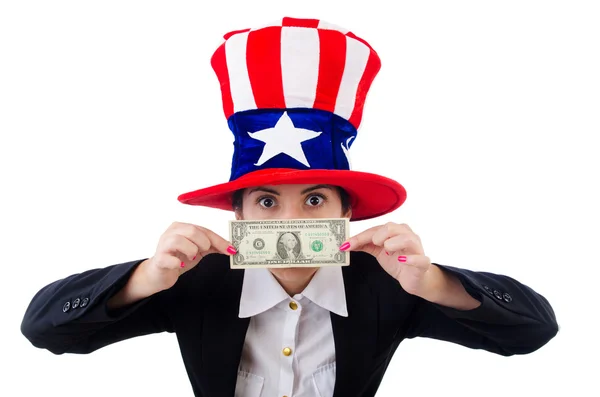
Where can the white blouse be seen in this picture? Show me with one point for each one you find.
(289, 349)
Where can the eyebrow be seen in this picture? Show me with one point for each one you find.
(275, 192)
(310, 189)
(264, 189)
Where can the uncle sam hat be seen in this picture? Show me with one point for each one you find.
(293, 95)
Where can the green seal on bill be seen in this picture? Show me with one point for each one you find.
(317, 245)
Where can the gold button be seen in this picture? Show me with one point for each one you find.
(293, 306)
(287, 351)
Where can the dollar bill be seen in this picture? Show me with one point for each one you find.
(289, 243)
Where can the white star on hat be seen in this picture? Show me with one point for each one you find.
(283, 138)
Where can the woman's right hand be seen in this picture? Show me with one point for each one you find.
(180, 248)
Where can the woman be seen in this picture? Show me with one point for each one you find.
(293, 95)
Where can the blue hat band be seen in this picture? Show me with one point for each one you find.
(299, 138)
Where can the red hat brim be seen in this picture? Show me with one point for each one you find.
(371, 195)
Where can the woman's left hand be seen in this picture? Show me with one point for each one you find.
(399, 251)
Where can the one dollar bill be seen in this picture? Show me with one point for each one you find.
(289, 243)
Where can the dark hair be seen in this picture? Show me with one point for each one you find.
(237, 198)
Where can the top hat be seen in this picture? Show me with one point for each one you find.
(293, 95)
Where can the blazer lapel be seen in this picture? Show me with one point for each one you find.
(355, 336)
(223, 337)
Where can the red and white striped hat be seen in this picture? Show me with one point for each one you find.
(293, 94)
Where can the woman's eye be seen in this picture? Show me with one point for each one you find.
(266, 202)
(314, 200)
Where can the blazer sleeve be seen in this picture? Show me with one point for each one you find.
(512, 318)
(70, 315)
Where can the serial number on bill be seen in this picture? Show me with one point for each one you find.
(322, 234)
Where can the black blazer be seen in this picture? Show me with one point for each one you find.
(70, 316)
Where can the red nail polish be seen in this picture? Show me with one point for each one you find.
(345, 246)
(182, 264)
(402, 258)
(387, 253)
(231, 250)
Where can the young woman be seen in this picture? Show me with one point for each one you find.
(293, 95)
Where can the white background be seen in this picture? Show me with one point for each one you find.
(487, 112)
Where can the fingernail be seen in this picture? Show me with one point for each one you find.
(402, 258)
(231, 250)
(182, 264)
(345, 246)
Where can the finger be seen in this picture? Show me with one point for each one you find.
(178, 245)
(406, 243)
(217, 243)
(388, 230)
(207, 241)
(358, 242)
(199, 238)
(168, 261)
(415, 261)
(192, 233)
(406, 227)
